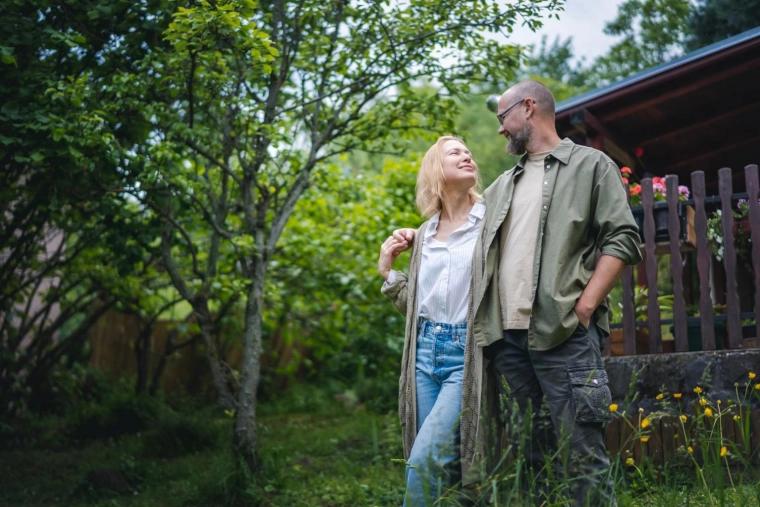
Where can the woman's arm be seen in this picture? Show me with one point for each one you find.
(395, 289)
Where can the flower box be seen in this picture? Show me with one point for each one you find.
(686, 234)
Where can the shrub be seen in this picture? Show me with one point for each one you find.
(118, 414)
(175, 434)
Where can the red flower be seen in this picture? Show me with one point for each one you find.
(625, 180)
(636, 189)
(625, 170)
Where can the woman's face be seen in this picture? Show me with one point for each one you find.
(459, 170)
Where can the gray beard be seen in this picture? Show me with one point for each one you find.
(519, 142)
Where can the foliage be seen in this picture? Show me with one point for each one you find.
(324, 291)
(67, 239)
(249, 100)
(652, 31)
(714, 20)
(719, 455)
(742, 240)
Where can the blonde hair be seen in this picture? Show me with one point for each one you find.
(430, 179)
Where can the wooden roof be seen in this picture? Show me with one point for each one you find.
(698, 112)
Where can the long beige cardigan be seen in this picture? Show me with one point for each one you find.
(479, 427)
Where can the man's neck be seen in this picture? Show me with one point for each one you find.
(543, 142)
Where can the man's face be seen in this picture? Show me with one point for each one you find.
(513, 125)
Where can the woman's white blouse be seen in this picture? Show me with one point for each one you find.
(443, 284)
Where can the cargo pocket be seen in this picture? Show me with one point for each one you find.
(591, 394)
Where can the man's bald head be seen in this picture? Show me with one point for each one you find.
(543, 98)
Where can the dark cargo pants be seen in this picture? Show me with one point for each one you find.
(566, 388)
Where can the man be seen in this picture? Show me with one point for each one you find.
(539, 308)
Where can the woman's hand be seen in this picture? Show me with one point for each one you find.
(390, 249)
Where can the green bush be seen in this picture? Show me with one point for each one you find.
(174, 434)
(118, 414)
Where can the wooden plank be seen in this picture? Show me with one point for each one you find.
(676, 265)
(669, 441)
(655, 444)
(653, 307)
(753, 188)
(703, 261)
(729, 259)
(612, 436)
(754, 437)
(629, 313)
(626, 432)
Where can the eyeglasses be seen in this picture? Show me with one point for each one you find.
(504, 114)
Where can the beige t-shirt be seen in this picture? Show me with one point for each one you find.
(518, 243)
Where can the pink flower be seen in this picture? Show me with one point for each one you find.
(683, 191)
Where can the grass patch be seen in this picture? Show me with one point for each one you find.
(329, 456)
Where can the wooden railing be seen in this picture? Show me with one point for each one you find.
(678, 227)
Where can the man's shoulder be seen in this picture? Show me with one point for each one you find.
(500, 182)
(586, 155)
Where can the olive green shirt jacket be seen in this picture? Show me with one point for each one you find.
(584, 209)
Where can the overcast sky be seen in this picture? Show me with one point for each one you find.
(583, 20)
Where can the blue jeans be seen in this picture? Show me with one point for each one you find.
(434, 461)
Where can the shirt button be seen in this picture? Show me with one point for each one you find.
(546, 182)
(548, 166)
(545, 207)
(437, 328)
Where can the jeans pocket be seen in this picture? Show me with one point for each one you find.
(591, 394)
(460, 340)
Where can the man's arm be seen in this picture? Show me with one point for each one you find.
(608, 271)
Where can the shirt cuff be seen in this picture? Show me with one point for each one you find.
(391, 278)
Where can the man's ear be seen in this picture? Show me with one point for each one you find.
(530, 108)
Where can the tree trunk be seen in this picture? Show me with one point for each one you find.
(244, 442)
(142, 352)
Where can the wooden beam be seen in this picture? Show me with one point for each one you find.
(700, 156)
(590, 125)
(682, 90)
(698, 125)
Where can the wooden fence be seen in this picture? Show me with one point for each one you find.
(668, 438)
(681, 232)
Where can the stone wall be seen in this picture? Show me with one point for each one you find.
(716, 372)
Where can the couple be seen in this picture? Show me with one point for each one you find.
(510, 281)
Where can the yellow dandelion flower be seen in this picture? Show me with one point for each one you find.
(645, 422)
(702, 402)
(757, 386)
(723, 451)
(613, 407)
(629, 462)
(677, 396)
(708, 412)
(690, 449)
(737, 418)
(645, 439)
(683, 418)
(660, 396)
(698, 390)
(751, 375)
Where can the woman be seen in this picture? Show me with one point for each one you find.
(441, 370)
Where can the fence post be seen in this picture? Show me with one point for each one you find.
(751, 178)
(676, 265)
(703, 261)
(729, 259)
(653, 306)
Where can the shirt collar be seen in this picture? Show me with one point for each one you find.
(561, 152)
(477, 212)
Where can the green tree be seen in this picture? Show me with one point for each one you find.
(652, 31)
(59, 172)
(252, 98)
(714, 20)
